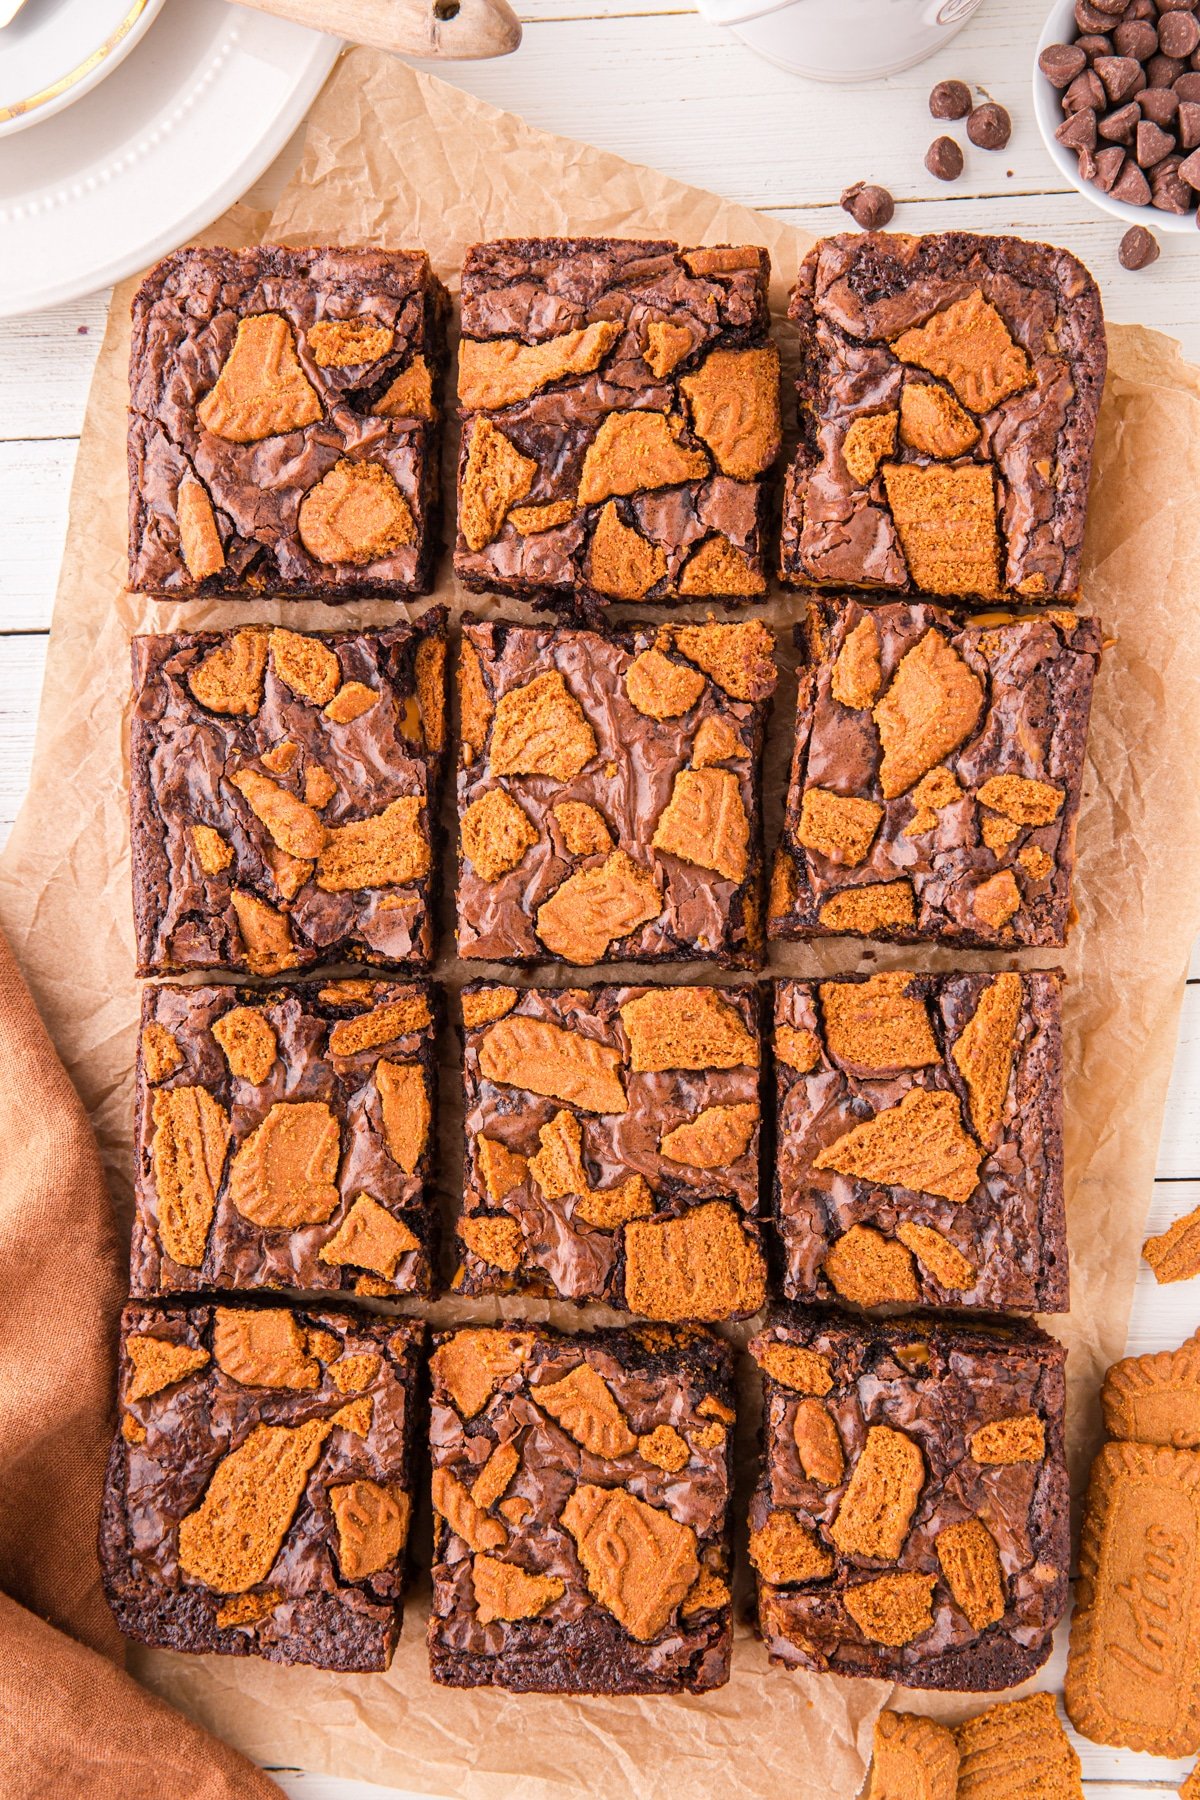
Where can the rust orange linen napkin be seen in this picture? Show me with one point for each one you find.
(71, 1721)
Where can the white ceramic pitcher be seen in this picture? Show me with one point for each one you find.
(842, 40)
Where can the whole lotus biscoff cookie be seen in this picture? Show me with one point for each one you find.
(1133, 1669)
(1155, 1399)
(1191, 1787)
(914, 1759)
(1017, 1748)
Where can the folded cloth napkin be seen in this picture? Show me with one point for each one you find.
(71, 1721)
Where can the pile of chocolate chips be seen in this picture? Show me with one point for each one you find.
(1130, 87)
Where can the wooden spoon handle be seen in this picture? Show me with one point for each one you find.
(461, 29)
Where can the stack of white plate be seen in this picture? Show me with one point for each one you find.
(128, 125)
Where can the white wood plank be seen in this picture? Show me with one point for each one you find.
(22, 660)
(1179, 1148)
(35, 486)
(301, 1786)
(46, 362)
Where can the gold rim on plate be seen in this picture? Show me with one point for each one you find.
(19, 108)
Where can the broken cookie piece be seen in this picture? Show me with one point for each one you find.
(303, 831)
(612, 1148)
(620, 407)
(581, 1489)
(245, 1179)
(947, 399)
(609, 793)
(284, 426)
(921, 1565)
(258, 1499)
(920, 1141)
(936, 776)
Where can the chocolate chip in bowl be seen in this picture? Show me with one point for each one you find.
(1116, 98)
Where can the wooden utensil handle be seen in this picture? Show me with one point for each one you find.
(460, 29)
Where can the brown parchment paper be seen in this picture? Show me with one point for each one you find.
(393, 157)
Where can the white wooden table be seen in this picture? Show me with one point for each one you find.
(652, 81)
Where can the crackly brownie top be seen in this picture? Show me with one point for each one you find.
(919, 1139)
(281, 402)
(948, 400)
(914, 1495)
(612, 1146)
(622, 406)
(281, 794)
(581, 1489)
(266, 1453)
(937, 772)
(608, 791)
(284, 1137)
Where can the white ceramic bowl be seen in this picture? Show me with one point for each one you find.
(1060, 28)
(52, 56)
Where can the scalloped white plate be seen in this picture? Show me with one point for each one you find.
(191, 118)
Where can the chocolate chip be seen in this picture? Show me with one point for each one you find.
(1087, 18)
(1166, 6)
(1188, 124)
(952, 99)
(1122, 76)
(944, 159)
(1059, 63)
(1118, 127)
(869, 206)
(1079, 131)
(1190, 170)
(1152, 144)
(1114, 8)
(1136, 38)
(1086, 90)
(1188, 87)
(1159, 104)
(1131, 186)
(1168, 192)
(1109, 164)
(1141, 9)
(1178, 34)
(989, 127)
(1139, 248)
(1164, 71)
(1094, 44)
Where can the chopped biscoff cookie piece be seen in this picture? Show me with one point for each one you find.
(188, 1149)
(584, 831)
(158, 1363)
(230, 678)
(1155, 1399)
(716, 742)
(665, 1449)
(283, 1173)
(938, 1256)
(503, 1590)
(387, 849)
(370, 1237)
(784, 1550)
(621, 562)
(1024, 802)
(199, 539)
(932, 703)
(1018, 1745)
(248, 1042)
(715, 1137)
(540, 1056)
(702, 1265)
(597, 907)
(971, 1564)
(382, 1025)
(530, 520)
(495, 477)
(946, 521)
(584, 1407)
(969, 345)
(838, 827)
(705, 823)
(465, 1518)
(818, 1444)
(610, 1208)
(541, 729)
(739, 658)
(634, 451)
(1019, 1438)
(495, 1241)
(687, 1028)
(997, 899)
(666, 346)
(346, 343)
(800, 1050)
(734, 402)
(857, 676)
(643, 1585)
(660, 687)
(482, 1006)
(350, 702)
(919, 1144)
(933, 422)
(410, 395)
(356, 514)
(372, 1526)
(558, 1165)
(718, 567)
(502, 1169)
(263, 1349)
(869, 910)
(878, 1023)
(1174, 1254)
(878, 1504)
(161, 1055)
(470, 1365)
(232, 1538)
(892, 1610)
(212, 852)
(475, 707)
(914, 1759)
(985, 1049)
(869, 1270)
(309, 667)
(1036, 863)
(935, 791)
(869, 440)
(807, 1371)
(495, 1475)
(501, 371)
(262, 390)
(496, 834)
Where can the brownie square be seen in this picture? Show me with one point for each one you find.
(581, 1493)
(948, 393)
(284, 427)
(259, 1490)
(620, 408)
(608, 793)
(936, 777)
(283, 796)
(911, 1521)
(919, 1140)
(612, 1147)
(284, 1137)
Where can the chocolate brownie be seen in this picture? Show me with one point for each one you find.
(919, 1140)
(581, 1511)
(608, 793)
(620, 407)
(284, 423)
(283, 794)
(936, 777)
(612, 1147)
(948, 394)
(911, 1522)
(284, 1138)
(260, 1486)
